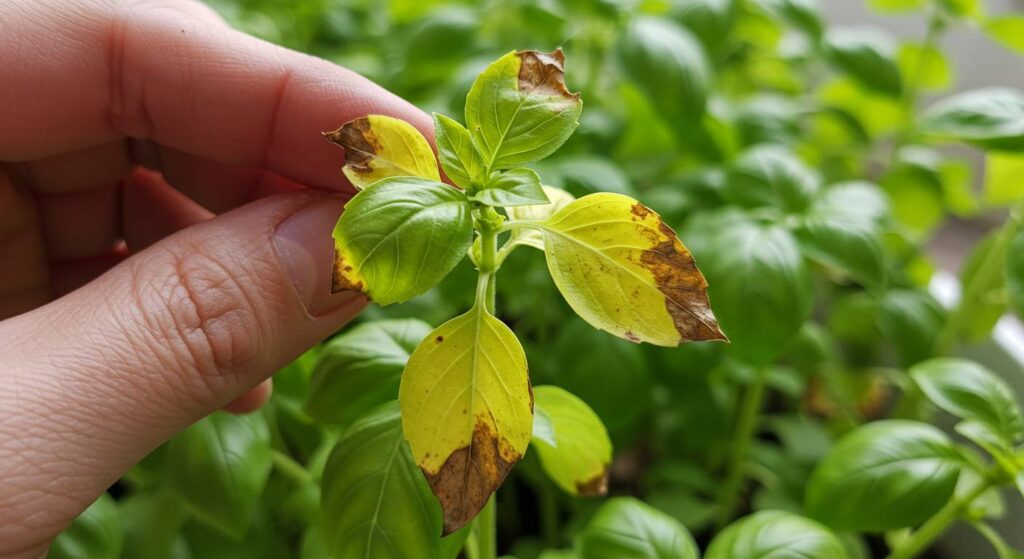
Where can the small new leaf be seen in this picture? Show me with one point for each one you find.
(517, 187)
(519, 111)
(459, 157)
(624, 271)
(400, 237)
(378, 146)
(467, 411)
(571, 441)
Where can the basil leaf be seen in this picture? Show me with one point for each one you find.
(219, 466)
(1003, 184)
(519, 110)
(625, 528)
(1008, 30)
(991, 118)
(361, 369)
(399, 237)
(866, 54)
(152, 526)
(669, 66)
(969, 391)
(1015, 274)
(516, 187)
(884, 476)
(928, 63)
(375, 502)
(912, 321)
(896, 5)
(459, 157)
(96, 533)
(775, 534)
(571, 441)
(842, 229)
(771, 176)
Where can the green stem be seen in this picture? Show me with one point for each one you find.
(291, 469)
(926, 535)
(485, 529)
(746, 426)
(972, 293)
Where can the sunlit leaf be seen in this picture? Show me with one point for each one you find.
(1007, 30)
(991, 118)
(571, 441)
(624, 271)
(625, 528)
(519, 110)
(361, 369)
(399, 237)
(969, 391)
(375, 502)
(378, 146)
(516, 187)
(883, 476)
(467, 411)
(459, 157)
(1004, 178)
(539, 212)
(775, 534)
(989, 301)
(926, 65)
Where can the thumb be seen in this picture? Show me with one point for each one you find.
(97, 379)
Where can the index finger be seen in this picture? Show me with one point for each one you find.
(150, 70)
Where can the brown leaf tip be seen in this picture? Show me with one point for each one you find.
(470, 475)
(358, 141)
(340, 280)
(544, 74)
(595, 486)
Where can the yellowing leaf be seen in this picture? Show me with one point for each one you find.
(1004, 178)
(378, 146)
(571, 441)
(624, 271)
(537, 212)
(467, 411)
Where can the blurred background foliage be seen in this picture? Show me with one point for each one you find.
(793, 159)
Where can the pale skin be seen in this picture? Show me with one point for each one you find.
(165, 219)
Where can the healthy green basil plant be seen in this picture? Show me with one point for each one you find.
(812, 169)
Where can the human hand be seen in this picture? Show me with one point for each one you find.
(127, 310)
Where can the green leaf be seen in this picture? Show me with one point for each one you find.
(927, 64)
(375, 502)
(988, 302)
(537, 212)
(842, 230)
(378, 146)
(516, 187)
(571, 441)
(399, 237)
(669, 66)
(771, 176)
(969, 391)
(459, 157)
(95, 534)
(896, 5)
(625, 528)
(911, 320)
(884, 476)
(152, 526)
(219, 466)
(1015, 274)
(758, 281)
(992, 118)
(801, 13)
(866, 54)
(775, 534)
(962, 8)
(361, 369)
(624, 271)
(1004, 178)
(519, 110)
(467, 411)
(1008, 30)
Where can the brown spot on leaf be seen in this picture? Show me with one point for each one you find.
(470, 475)
(682, 284)
(439, 339)
(359, 142)
(641, 211)
(595, 486)
(632, 337)
(542, 73)
(341, 279)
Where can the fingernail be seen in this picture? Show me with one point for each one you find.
(304, 246)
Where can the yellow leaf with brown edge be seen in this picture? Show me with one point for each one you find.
(378, 147)
(467, 411)
(624, 271)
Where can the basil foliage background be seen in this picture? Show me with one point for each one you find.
(808, 168)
